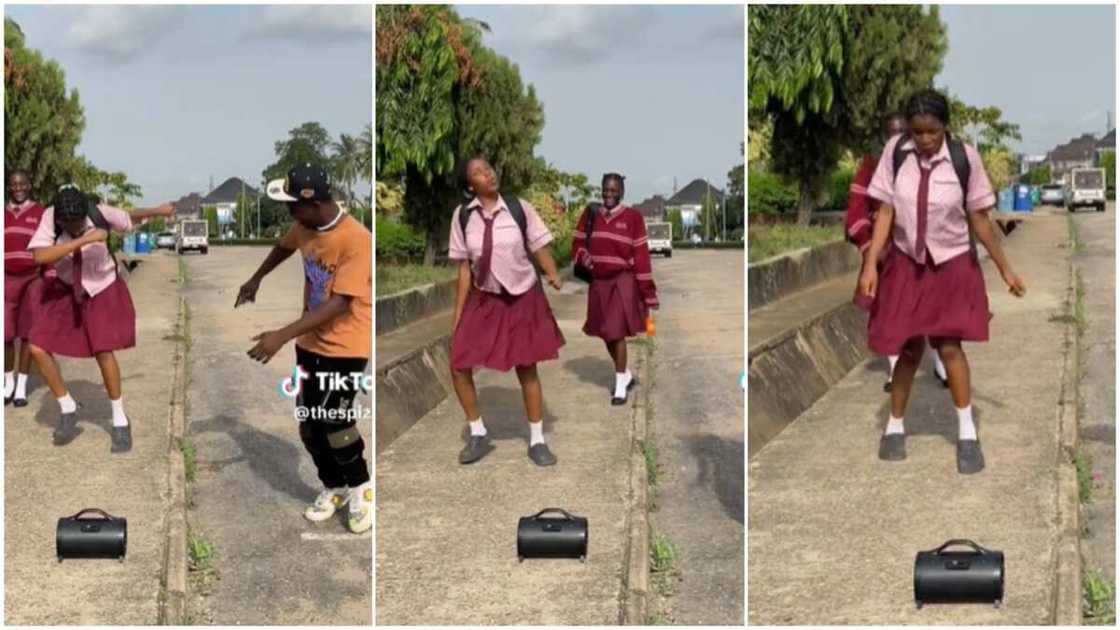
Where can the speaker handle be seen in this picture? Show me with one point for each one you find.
(960, 541)
(560, 510)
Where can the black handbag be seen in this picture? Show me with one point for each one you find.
(540, 536)
(974, 576)
(580, 271)
(102, 537)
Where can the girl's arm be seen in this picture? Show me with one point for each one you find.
(141, 214)
(462, 291)
(54, 253)
(982, 227)
(545, 260)
(869, 277)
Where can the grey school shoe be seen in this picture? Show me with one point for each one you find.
(892, 447)
(67, 429)
(540, 455)
(121, 439)
(476, 448)
(970, 459)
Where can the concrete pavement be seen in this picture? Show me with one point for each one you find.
(833, 530)
(697, 423)
(43, 482)
(254, 477)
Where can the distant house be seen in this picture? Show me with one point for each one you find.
(1107, 144)
(1077, 153)
(224, 198)
(690, 200)
(187, 207)
(653, 208)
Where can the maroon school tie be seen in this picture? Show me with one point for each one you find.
(76, 287)
(923, 215)
(487, 249)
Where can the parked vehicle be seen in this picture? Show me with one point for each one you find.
(1087, 188)
(1053, 194)
(660, 238)
(165, 240)
(193, 234)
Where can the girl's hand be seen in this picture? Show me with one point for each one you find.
(1015, 285)
(555, 281)
(94, 235)
(869, 281)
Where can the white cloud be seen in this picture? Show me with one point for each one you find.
(579, 33)
(315, 24)
(120, 34)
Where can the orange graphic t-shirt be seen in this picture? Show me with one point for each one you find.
(338, 261)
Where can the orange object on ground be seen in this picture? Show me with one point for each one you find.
(650, 328)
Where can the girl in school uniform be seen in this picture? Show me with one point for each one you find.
(86, 311)
(622, 289)
(21, 218)
(860, 217)
(931, 285)
(502, 318)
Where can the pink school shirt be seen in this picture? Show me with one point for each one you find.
(947, 222)
(98, 269)
(510, 267)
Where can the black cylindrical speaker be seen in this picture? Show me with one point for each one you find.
(102, 537)
(541, 536)
(975, 576)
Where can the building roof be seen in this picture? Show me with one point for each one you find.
(652, 208)
(188, 204)
(693, 194)
(1076, 149)
(229, 190)
(1108, 141)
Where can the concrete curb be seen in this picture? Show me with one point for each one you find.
(410, 387)
(772, 279)
(173, 602)
(636, 579)
(401, 309)
(1067, 546)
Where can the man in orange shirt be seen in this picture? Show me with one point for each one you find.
(334, 337)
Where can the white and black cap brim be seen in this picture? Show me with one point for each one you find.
(277, 190)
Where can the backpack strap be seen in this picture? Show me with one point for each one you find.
(961, 166)
(100, 222)
(513, 204)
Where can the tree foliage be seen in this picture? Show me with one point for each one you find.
(982, 127)
(442, 97)
(1040, 175)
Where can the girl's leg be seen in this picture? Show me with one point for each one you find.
(622, 376)
(9, 367)
(939, 368)
(49, 369)
(111, 375)
(903, 379)
(970, 459)
(463, 380)
(21, 376)
(617, 350)
(534, 410)
(24, 357)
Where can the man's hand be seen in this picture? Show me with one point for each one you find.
(247, 293)
(268, 344)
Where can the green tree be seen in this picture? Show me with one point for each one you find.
(982, 127)
(677, 223)
(309, 142)
(43, 121)
(245, 215)
(823, 76)
(346, 161)
(121, 192)
(1108, 163)
(1040, 175)
(212, 221)
(735, 195)
(441, 98)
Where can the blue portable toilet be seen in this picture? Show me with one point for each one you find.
(1006, 200)
(143, 243)
(1023, 198)
(129, 245)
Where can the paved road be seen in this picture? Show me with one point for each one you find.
(43, 482)
(833, 530)
(1097, 263)
(254, 477)
(698, 423)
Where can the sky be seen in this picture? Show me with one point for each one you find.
(175, 95)
(1051, 69)
(652, 92)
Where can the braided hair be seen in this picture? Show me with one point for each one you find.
(70, 204)
(929, 102)
(617, 177)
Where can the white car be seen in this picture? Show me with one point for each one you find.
(165, 240)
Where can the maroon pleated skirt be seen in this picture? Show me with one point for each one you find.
(503, 331)
(103, 323)
(942, 302)
(615, 308)
(15, 293)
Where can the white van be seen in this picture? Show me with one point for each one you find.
(193, 234)
(660, 238)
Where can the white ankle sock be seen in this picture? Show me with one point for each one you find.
(9, 383)
(939, 367)
(21, 386)
(966, 427)
(477, 428)
(67, 404)
(119, 419)
(894, 425)
(536, 433)
(893, 361)
(621, 382)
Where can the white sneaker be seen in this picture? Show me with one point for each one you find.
(361, 508)
(325, 504)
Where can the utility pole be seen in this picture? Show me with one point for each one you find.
(241, 210)
(258, 216)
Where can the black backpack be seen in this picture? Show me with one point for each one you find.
(961, 166)
(518, 214)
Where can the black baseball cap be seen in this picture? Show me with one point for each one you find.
(304, 182)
